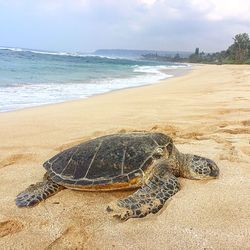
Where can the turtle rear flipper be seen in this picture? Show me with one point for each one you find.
(37, 192)
(150, 198)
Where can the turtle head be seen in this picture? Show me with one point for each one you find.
(200, 168)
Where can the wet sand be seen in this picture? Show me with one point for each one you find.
(207, 112)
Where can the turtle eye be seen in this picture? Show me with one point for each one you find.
(214, 170)
(206, 167)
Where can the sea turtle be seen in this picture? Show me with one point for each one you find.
(143, 160)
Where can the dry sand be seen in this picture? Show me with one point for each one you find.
(206, 111)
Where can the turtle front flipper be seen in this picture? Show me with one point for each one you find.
(150, 198)
(37, 192)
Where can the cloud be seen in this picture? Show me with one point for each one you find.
(141, 24)
(210, 9)
(223, 9)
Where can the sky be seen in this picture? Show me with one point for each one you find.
(87, 25)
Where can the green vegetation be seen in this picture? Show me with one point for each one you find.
(166, 58)
(237, 53)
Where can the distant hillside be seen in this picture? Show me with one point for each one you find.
(139, 53)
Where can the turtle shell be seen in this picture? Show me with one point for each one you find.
(112, 162)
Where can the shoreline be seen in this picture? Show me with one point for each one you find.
(206, 112)
(177, 72)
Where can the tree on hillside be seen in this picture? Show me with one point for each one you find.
(238, 52)
(240, 49)
(197, 51)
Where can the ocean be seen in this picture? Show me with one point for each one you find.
(31, 78)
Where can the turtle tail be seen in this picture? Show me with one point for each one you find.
(37, 192)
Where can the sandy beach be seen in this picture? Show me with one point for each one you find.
(207, 112)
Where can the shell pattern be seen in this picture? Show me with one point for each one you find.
(117, 158)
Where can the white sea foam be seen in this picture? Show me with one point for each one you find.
(30, 95)
(11, 49)
(158, 69)
(62, 53)
(23, 94)
(37, 51)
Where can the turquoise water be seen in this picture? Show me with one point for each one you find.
(31, 78)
